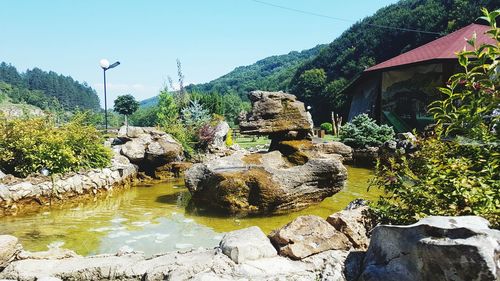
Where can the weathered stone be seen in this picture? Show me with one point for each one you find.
(221, 131)
(435, 248)
(247, 244)
(134, 150)
(366, 157)
(2, 174)
(306, 236)
(356, 224)
(263, 183)
(275, 113)
(192, 265)
(8, 249)
(149, 147)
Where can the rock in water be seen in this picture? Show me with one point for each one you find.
(306, 236)
(264, 183)
(247, 244)
(276, 114)
(435, 248)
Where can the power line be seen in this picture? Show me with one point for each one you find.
(345, 20)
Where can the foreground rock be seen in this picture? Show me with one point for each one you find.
(306, 236)
(435, 248)
(263, 183)
(203, 264)
(247, 244)
(8, 249)
(356, 224)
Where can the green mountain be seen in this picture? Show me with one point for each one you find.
(46, 90)
(272, 73)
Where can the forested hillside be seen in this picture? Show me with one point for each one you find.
(46, 90)
(318, 82)
(272, 73)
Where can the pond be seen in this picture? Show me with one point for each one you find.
(153, 219)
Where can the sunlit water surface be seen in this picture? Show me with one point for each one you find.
(153, 219)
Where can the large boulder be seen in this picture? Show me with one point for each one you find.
(9, 247)
(435, 248)
(262, 183)
(306, 236)
(148, 146)
(247, 244)
(276, 114)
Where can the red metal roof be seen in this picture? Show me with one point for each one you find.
(442, 48)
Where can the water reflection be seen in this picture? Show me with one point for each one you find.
(152, 219)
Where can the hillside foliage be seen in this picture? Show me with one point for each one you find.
(46, 90)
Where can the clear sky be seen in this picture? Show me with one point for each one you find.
(210, 37)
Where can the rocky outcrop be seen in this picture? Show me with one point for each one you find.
(247, 244)
(148, 146)
(20, 195)
(435, 248)
(260, 183)
(306, 236)
(276, 114)
(294, 174)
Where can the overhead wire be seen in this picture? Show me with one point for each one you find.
(346, 20)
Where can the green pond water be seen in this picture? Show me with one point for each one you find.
(153, 219)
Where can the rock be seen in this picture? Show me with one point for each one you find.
(221, 131)
(2, 175)
(149, 147)
(435, 248)
(247, 244)
(356, 224)
(134, 151)
(200, 264)
(8, 249)
(300, 151)
(262, 183)
(48, 278)
(275, 113)
(306, 236)
(365, 157)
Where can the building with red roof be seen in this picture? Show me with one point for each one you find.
(398, 91)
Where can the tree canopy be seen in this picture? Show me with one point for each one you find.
(47, 90)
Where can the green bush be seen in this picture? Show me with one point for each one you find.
(362, 131)
(29, 145)
(327, 127)
(456, 171)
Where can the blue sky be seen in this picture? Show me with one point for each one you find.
(210, 37)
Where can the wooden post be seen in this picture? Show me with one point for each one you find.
(334, 125)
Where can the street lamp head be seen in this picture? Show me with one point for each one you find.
(104, 63)
(114, 65)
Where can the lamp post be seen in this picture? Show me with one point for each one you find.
(104, 63)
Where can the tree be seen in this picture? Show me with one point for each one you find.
(168, 112)
(126, 105)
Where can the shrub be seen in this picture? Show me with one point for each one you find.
(327, 127)
(456, 171)
(362, 131)
(29, 145)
